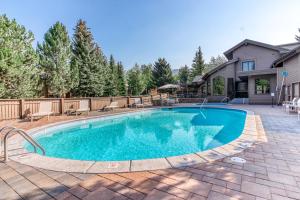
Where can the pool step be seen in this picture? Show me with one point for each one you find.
(240, 101)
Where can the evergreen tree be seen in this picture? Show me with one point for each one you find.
(99, 72)
(18, 60)
(108, 86)
(298, 36)
(113, 70)
(162, 73)
(183, 75)
(55, 57)
(147, 78)
(134, 80)
(198, 64)
(121, 87)
(86, 61)
(214, 62)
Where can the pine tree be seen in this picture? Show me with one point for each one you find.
(108, 86)
(198, 64)
(121, 87)
(162, 73)
(86, 61)
(113, 69)
(214, 62)
(298, 36)
(99, 71)
(134, 80)
(55, 57)
(18, 61)
(183, 75)
(147, 78)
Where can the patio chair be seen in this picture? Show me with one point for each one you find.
(137, 103)
(285, 104)
(293, 106)
(83, 107)
(45, 109)
(112, 106)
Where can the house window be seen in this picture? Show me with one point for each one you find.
(262, 86)
(296, 89)
(219, 85)
(208, 89)
(248, 65)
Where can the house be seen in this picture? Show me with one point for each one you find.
(253, 72)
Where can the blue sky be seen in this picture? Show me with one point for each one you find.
(143, 30)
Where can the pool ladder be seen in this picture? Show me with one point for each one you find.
(204, 102)
(10, 130)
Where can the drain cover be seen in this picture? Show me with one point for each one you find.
(238, 160)
(188, 159)
(113, 165)
(246, 144)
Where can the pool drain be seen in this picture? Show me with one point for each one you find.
(188, 159)
(238, 160)
(113, 165)
(246, 145)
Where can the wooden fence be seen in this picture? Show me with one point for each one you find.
(20, 108)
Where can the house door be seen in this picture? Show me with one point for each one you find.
(230, 88)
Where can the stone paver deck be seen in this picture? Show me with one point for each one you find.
(272, 171)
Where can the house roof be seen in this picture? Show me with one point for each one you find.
(197, 79)
(285, 57)
(228, 53)
(289, 46)
(219, 68)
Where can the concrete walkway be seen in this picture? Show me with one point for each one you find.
(272, 171)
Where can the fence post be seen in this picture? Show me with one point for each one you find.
(22, 108)
(141, 99)
(91, 105)
(128, 101)
(62, 106)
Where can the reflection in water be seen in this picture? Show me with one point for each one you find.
(151, 134)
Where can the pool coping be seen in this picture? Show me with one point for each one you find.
(246, 139)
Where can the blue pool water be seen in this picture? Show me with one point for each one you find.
(148, 134)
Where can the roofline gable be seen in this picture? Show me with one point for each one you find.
(216, 69)
(286, 57)
(256, 43)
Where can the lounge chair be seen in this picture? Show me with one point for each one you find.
(83, 107)
(147, 103)
(171, 101)
(45, 109)
(112, 106)
(137, 103)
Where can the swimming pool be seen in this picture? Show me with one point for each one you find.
(213, 104)
(155, 133)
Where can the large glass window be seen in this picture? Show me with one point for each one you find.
(296, 90)
(219, 85)
(248, 65)
(262, 86)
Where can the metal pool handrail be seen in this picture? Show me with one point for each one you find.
(204, 101)
(224, 99)
(25, 135)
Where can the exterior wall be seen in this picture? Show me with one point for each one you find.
(292, 66)
(261, 98)
(263, 57)
(226, 72)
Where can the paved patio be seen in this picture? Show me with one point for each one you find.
(272, 171)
